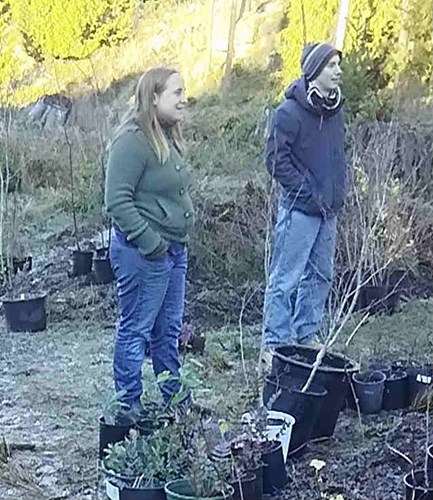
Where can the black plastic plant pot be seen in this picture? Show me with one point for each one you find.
(399, 279)
(420, 380)
(304, 406)
(416, 489)
(26, 314)
(274, 470)
(369, 388)
(395, 395)
(103, 271)
(102, 252)
(81, 263)
(110, 434)
(258, 482)
(333, 374)
(380, 298)
(245, 488)
(117, 491)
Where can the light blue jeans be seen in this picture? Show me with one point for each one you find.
(151, 296)
(302, 262)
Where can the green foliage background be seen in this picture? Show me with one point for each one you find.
(39, 38)
(70, 29)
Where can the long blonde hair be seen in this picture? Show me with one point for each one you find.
(142, 115)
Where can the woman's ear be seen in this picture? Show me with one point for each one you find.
(155, 98)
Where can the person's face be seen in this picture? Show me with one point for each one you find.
(330, 77)
(170, 103)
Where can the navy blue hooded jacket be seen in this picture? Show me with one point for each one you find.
(305, 154)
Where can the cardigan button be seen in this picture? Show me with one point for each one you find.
(187, 214)
(182, 191)
(177, 167)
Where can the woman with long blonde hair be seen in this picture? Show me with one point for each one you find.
(147, 197)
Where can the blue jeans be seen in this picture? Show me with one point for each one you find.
(151, 296)
(302, 262)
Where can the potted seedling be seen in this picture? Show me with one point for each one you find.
(109, 429)
(246, 453)
(129, 474)
(256, 442)
(150, 415)
(201, 477)
(205, 478)
(24, 311)
(81, 259)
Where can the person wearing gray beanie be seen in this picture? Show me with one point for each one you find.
(305, 155)
(315, 57)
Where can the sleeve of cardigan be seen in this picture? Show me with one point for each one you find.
(126, 163)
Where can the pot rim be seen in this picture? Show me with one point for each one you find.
(297, 388)
(416, 487)
(188, 497)
(373, 382)
(101, 420)
(27, 298)
(326, 369)
(402, 375)
(112, 476)
(82, 252)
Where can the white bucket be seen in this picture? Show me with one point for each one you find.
(281, 431)
(278, 428)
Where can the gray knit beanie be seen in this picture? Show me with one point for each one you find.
(315, 57)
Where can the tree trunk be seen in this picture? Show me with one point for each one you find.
(230, 49)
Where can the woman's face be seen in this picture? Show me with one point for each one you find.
(170, 103)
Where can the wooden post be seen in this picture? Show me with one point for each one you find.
(341, 26)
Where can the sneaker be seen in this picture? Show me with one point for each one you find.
(266, 361)
(312, 341)
(130, 414)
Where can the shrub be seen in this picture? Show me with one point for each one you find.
(73, 29)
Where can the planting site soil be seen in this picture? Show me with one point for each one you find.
(53, 385)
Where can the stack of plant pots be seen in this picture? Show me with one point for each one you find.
(292, 365)
(304, 406)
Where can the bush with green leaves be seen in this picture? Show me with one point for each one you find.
(128, 458)
(151, 460)
(73, 29)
